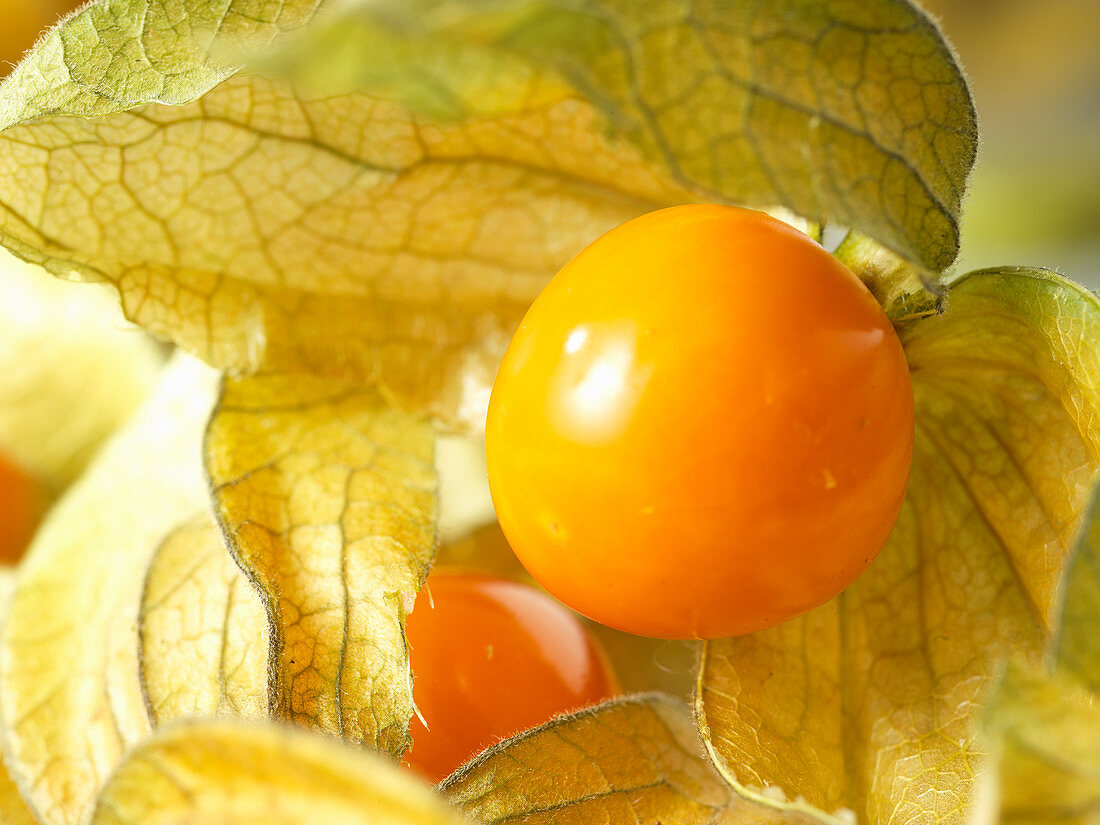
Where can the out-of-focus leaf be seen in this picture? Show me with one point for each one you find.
(13, 809)
(1076, 648)
(642, 664)
(328, 496)
(69, 689)
(483, 551)
(464, 502)
(71, 371)
(225, 773)
(624, 762)
(203, 631)
(1044, 764)
(1041, 728)
(400, 232)
(867, 703)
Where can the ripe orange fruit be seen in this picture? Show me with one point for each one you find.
(491, 658)
(703, 426)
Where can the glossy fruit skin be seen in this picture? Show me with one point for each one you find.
(702, 428)
(20, 508)
(491, 658)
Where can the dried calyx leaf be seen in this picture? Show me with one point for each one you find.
(627, 761)
(231, 773)
(69, 692)
(393, 221)
(202, 630)
(867, 703)
(327, 493)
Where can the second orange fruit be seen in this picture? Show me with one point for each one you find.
(491, 658)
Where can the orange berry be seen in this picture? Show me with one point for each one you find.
(491, 658)
(703, 426)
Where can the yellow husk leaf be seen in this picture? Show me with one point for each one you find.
(328, 495)
(627, 761)
(225, 773)
(388, 210)
(69, 690)
(203, 631)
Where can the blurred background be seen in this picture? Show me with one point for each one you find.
(1034, 70)
(1034, 67)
